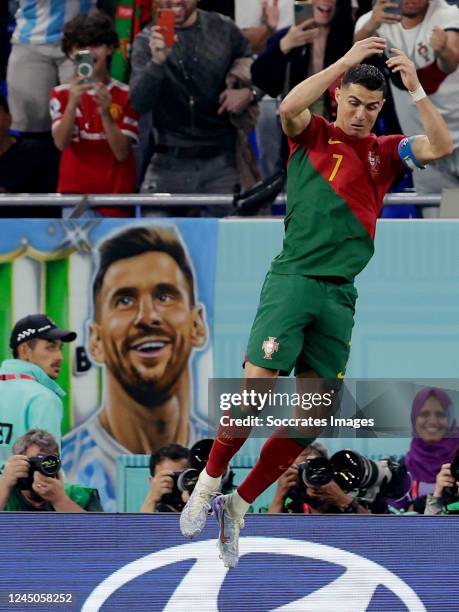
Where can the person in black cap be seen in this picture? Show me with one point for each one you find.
(29, 394)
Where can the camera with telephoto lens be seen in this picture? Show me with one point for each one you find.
(352, 471)
(48, 465)
(186, 479)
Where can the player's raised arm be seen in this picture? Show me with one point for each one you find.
(437, 141)
(294, 110)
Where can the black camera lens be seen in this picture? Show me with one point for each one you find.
(316, 472)
(352, 471)
(48, 465)
(187, 480)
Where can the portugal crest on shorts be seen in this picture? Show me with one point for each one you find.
(269, 347)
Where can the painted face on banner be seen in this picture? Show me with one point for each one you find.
(146, 326)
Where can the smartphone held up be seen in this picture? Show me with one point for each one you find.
(84, 65)
(396, 9)
(303, 10)
(165, 20)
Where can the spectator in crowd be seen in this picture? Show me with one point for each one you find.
(259, 19)
(23, 488)
(163, 463)
(293, 54)
(294, 496)
(20, 170)
(435, 439)
(30, 396)
(197, 90)
(35, 65)
(427, 32)
(93, 123)
(146, 324)
(37, 62)
(436, 502)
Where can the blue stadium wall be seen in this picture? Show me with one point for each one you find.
(407, 314)
(133, 563)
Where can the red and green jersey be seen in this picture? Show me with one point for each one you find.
(336, 185)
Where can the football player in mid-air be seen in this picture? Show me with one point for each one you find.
(338, 174)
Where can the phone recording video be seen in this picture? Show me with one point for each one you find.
(84, 65)
(165, 20)
(303, 10)
(394, 10)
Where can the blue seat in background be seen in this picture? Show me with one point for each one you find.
(398, 211)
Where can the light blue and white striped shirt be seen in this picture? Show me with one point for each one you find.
(41, 22)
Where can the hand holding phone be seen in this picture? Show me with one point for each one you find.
(385, 11)
(162, 35)
(303, 10)
(298, 36)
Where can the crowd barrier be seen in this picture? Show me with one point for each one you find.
(81, 203)
(288, 562)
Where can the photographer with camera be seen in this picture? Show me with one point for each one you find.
(166, 463)
(32, 479)
(434, 442)
(445, 497)
(174, 473)
(304, 491)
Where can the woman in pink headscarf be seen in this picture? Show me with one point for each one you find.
(435, 438)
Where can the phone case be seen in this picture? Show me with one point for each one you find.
(166, 21)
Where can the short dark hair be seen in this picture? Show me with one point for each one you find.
(93, 29)
(137, 241)
(367, 76)
(171, 451)
(4, 104)
(32, 343)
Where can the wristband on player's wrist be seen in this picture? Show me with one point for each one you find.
(418, 93)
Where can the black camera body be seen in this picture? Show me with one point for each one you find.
(186, 479)
(451, 494)
(182, 481)
(48, 465)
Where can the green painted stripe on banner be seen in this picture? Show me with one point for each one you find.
(6, 308)
(57, 306)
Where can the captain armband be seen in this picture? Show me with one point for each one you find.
(407, 156)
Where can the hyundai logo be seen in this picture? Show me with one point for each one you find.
(199, 590)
